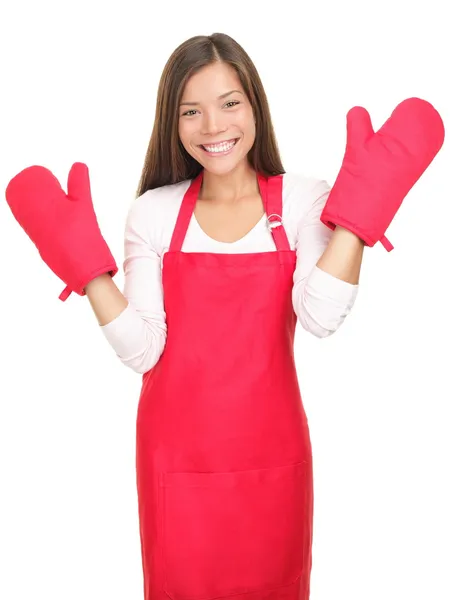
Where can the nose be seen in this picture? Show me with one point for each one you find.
(212, 123)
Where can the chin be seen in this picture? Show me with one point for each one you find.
(222, 166)
(224, 169)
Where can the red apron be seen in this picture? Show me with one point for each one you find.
(224, 463)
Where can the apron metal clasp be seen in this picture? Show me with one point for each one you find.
(272, 224)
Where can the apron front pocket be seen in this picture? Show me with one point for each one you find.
(235, 532)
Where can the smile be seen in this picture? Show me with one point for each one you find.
(219, 149)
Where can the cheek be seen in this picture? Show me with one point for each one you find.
(247, 124)
(184, 134)
(182, 131)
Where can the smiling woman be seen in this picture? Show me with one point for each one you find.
(224, 252)
(224, 460)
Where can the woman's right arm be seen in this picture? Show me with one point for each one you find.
(106, 300)
(134, 322)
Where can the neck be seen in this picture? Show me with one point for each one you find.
(229, 187)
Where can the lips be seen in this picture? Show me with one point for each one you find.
(220, 148)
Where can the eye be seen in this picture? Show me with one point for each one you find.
(189, 113)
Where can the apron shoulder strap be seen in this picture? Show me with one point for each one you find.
(274, 211)
(185, 213)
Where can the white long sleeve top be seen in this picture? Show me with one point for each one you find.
(320, 300)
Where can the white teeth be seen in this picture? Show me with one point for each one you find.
(223, 147)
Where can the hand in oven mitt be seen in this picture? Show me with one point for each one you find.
(379, 169)
(62, 226)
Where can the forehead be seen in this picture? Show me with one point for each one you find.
(210, 82)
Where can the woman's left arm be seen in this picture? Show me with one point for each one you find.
(343, 256)
(326, 278)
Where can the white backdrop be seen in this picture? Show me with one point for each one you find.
(79, 83)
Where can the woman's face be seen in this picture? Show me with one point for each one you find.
(216, 123)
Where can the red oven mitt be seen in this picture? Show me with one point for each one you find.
(62, 226)
(379, 169)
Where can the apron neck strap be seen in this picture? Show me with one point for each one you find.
(271, 189)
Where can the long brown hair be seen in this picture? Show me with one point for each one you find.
(166, 160)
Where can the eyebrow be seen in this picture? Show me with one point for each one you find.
(219, 98)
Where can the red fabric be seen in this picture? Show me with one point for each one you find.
(379, 169)
(63, 226)
(224, 462)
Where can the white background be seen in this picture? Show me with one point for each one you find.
(79, 83)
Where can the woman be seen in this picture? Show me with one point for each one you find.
(224, 251)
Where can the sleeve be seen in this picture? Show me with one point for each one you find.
(321, 301)
(138, 334)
